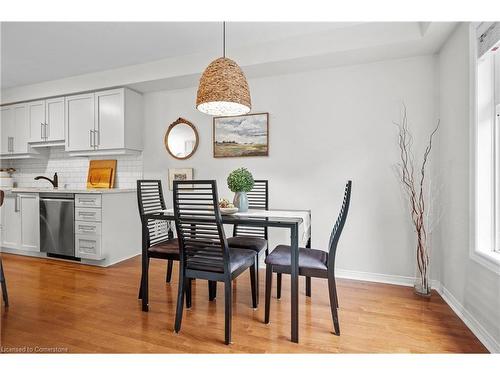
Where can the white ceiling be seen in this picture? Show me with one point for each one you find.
(33, 52)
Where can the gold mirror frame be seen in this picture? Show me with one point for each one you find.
(181, 120)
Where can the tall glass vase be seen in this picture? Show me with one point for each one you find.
(422, 277)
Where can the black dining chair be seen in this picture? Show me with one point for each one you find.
(204, 251)
(158, 239)
(312, 263)
(253, 238)
(3, 282)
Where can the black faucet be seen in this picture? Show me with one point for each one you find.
(54, 182)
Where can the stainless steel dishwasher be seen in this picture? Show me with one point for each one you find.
(57, 224)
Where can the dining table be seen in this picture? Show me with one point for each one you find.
(297, 221)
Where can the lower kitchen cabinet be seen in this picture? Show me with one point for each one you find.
(107, 227)
(88, 226)
(11, 222)
(29, 206)
(20, 222)
(88, 246)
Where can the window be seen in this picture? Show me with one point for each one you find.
(487, 140)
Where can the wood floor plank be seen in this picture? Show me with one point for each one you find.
(85, 309)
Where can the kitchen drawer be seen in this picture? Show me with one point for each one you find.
(88, 247)
(87, 214)
(85, 227)
(87, 200)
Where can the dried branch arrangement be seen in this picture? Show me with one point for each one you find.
(414, 187)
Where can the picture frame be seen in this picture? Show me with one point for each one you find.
(182, 174)
(241, 136)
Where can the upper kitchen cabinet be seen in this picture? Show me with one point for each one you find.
(15, 132)
(105, 122)
(46, 122)
(79, 121)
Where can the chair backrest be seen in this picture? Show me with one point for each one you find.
(202, 242)
(258, 199)
(150, 200)
(339, 225)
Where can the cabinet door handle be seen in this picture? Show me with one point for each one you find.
(16, 204)
(46, 131)
(87, 247)
(90, 132)
(41, 131)
(97, 144)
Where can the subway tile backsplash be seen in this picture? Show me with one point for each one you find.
(72, 171)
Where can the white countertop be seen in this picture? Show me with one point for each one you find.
(69, 191)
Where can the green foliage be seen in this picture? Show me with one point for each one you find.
(240, 180)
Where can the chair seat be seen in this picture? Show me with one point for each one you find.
(165, 249)
(237, 258)
(243, 242)
(308, 258)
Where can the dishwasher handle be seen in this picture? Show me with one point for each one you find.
(57, 199)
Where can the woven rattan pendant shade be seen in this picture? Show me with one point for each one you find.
(223, 89)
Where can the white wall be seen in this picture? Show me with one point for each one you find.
(472, 286)
(326, 126)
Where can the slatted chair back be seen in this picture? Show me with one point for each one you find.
(203, 244)
(150, 200)
(258, 199)
(339, 225)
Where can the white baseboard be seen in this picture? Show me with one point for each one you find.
(477, 329)
(376, 277)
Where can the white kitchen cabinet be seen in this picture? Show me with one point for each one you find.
(20, 132)
(88, 226)
(79, 122)
(29, 207)
(11, 222)
(46, 120)
(36, 120)
(107, 228)
(54, 117)
(116, 126)
(15, 131)
(88, 246)
(21, 222)
(109, 119)
(6, 128)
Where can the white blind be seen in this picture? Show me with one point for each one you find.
(488, 34)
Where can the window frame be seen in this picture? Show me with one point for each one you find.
(489, 258)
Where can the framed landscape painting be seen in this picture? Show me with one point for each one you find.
(237, 136)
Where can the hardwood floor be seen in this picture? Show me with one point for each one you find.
(79, 309)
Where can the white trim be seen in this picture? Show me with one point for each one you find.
(477, 329)
(484, 259)
(374, 277)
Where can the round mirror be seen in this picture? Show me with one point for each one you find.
(181, 139)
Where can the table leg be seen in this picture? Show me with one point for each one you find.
(145, 269)
(294, 279)
(308, 278)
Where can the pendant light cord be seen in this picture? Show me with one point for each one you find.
(224, 39)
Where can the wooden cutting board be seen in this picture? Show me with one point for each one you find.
(100, 178)
(101, 173)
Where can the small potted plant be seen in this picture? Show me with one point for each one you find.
(240, 182)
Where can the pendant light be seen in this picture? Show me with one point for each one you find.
(223, 88)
